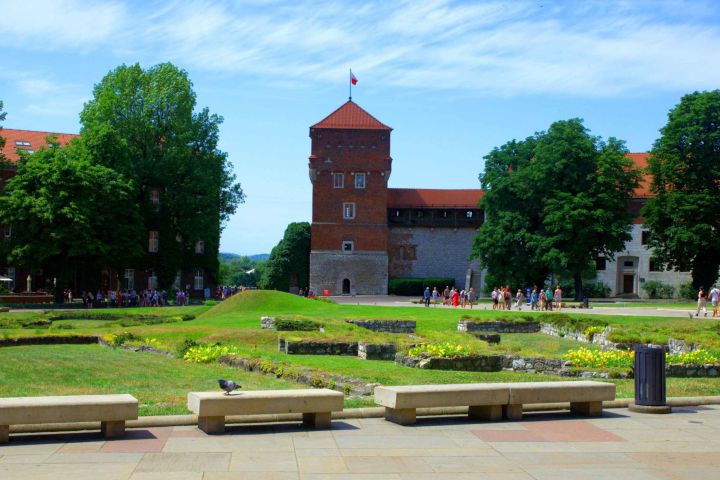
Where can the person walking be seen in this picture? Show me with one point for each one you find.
(549, 295)
(508, 297)
(714, 298)
(558, 297)
(494, 297)
(435, 296)
(446, 295)
(519, 299)
(426, 296)
(702, 302)
(534, 299)
(472, 297)
(455, 297)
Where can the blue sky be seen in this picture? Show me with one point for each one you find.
(454, 79)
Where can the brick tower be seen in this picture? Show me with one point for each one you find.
(349, 168)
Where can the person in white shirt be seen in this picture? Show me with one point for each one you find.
(714, 298)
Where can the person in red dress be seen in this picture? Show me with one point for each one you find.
(455, 297)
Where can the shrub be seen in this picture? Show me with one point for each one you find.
(657, 289)
(415, 287)
(120, 339)
(187, 344)
(584, 357)
(590, 332)
(696, 357)
(565, 322)
(210, 303)
(207, 353)
(688, 291)
(596, 290)
(442, 350)
(285, 325)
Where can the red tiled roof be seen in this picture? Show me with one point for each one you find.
(641, 161)
(34, 139)
(431, 198)
(351, 116)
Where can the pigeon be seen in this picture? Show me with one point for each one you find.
(228, 386)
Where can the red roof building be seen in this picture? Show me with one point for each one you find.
(351, 116)
(29, 141)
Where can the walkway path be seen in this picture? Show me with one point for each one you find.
(557, 446)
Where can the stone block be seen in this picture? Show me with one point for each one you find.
(112, 429)
(425, 396)
(401, 416)
(549, 392)
(313, 400)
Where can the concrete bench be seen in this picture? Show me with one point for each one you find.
(485, 400)
(492, 401)
(110, 410)
(585, 397)
(316, 405)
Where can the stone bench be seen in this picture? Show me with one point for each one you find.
(110, 410)
(485, 400)
(316, 406)
(492, 401)
(585, 397)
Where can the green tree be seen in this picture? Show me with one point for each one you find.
(143, 124)
(68, 215)
(240, 271)
(553, 203)
(685, 169)
(289, 262)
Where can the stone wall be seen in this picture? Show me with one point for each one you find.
(423, 252)
(366, 271)
(377, 351)
(486, 363)
(318, 348)
(498, 327)
(693, 370)
(488, 337)
(50, 340)
(390, 326)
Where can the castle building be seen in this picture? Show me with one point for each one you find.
(364, 232)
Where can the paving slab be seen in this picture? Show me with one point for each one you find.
(620, 444)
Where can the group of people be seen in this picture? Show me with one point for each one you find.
(450, 297)
(129, 298)
(714, 296)
(539, 298)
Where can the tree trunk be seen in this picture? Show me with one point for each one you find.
(578, 287)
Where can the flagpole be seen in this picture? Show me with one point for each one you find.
(350, 81)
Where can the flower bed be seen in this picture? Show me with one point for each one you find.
(584, 357)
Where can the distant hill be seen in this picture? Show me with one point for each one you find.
(226, 257)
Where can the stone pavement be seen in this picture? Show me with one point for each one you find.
(620, 445)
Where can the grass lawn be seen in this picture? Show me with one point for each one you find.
(162, 383)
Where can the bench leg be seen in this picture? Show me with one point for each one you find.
(401, 416)
(113, 429)
(317, 420)
(4, 433)
(589, 409)
(485, 412)
(512, 412)
(212, 425)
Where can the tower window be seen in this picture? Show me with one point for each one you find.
(155, 199)
(348, 211)
(348, 246)
(338, 180)
(198, 280)
(200, 247)
(645, 237)
(469, 214)
(359, 180)
(153, 241)
(600, 264)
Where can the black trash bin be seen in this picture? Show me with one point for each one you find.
(649, 375)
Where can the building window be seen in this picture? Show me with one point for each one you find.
(600, 264)
(645, 237)
(198, 280)
(338, 180)
(420, 213)
(348, 246)
(152, 280)
(11, 276)
(469, 214)
(155, 199)
(200, 247)
(176, 282)
(629, 263)
(129, 278)
(153, 241)
(397, 213)
(654, 267)
(359, 180)
(21, 143)
(348, 211)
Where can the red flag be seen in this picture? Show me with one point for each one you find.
(353, 80)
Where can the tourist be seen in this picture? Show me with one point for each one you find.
(472, 297)
(549, 301)
(558, 297)
(534, 299)
(435, 296)
(426, 296)
(714, 298)
(455, 297)
(702, 302)
(508, 297)
(446, 295)
(494, 297)
(463, 298)
(519, 299)
(542, 299)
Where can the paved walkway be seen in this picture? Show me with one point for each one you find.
(553, 446)
(599, 309)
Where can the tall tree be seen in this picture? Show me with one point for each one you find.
(143, 124)
(289, 262)
(685, 169)
(553, 203)
(68, 215)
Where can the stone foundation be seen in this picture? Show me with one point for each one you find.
(318, 348)
(377, 351)
(498, 327)
(390, 326)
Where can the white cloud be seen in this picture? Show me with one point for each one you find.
(507, 48)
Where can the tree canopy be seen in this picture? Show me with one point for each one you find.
(68, 214)
(143, 124)
(685, 167)
(553, 203)
(289, 262)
